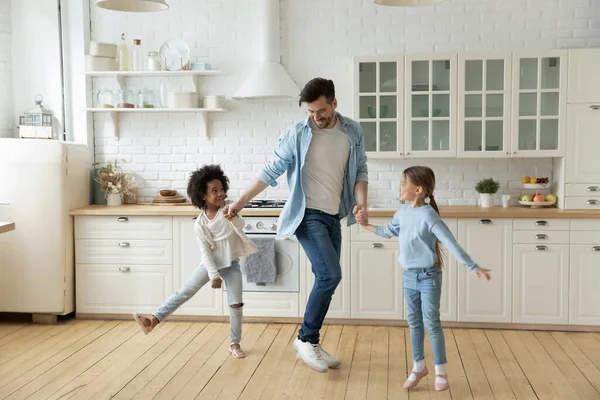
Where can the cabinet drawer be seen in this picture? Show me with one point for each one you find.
(121, 289)
(585, 224)
(591, 190)
(545, 237)
(582, 203)
(540, 224)
(112, 251)
(363, 235)
(123, 227)
(590, 237)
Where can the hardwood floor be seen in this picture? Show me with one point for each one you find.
(80, 359)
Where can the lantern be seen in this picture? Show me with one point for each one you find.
(38, 115)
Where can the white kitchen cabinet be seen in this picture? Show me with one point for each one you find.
(584, 294)
(484, 96)
(376, 281)
(340, 302)
(267, 304)
(583, 145)
(123, 227)
(541, 283)
(207, 301)
(379, 104)
(584, 80)
(539, 103)
(448, 301)
(489, 243)
(430, 117)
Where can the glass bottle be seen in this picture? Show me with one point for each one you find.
(125, 99)
(145, 98)
(137, 56)
(154, 63)
(123, 54)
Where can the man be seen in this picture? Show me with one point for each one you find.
(326, 165)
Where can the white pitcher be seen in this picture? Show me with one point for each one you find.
(114, 199)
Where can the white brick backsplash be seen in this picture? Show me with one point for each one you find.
(6, 95)
(164, 148)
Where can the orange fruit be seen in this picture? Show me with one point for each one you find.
(533, 180)
(526, 179)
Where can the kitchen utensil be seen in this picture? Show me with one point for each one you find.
(536, 204)
(176, 54)
(167, 192)
(505, 200)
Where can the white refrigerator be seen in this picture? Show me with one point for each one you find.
(40, 181)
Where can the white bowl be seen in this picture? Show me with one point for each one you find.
(536, 185)
(183, 100)
(94, 63)
(535, 204)
(103, 49)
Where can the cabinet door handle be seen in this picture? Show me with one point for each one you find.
(592, 188)
(541, 223)
(485, 221)
(377, 245)
(594, 107)
(122, 219)
(541, 236)
(596, 248)
(124, 244)
(541, 248)
(194, 219)
(124, 269)
(592, 202)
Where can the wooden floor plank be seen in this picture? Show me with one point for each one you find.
(480, 387)
(584, 364)
(361, 362)
(338, 378)
(7, 328)
(493, 371)
(378, 368)
(397, 357)
(512, 371)
(457, 376)
(28, 340)
(588, 344)
(317, 383)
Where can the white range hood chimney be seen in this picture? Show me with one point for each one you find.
(269, 80)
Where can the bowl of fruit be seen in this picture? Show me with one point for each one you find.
(535, 183)
(537, 200)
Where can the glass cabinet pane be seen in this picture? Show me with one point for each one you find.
(494, 135)
(440, 135)
(549, 103)
(473, 75)
(388, 136)
(527, 136)
(370, 135)
(420, 135)
(367, 77)
(367, 107)
(527, 104)
(420, 76)
(387, 107)
(473, 105)
(420, 105)
(550, 73)
(494, 105)
(440, 75)
(388, 77)
(440, 106)
(473, 136)
(494, 79)
(528, 73)
(549, 134)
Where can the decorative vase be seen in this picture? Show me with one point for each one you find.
(130, 197)
(114, 199)
(485, 199)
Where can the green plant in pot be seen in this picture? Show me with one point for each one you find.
(486, 188)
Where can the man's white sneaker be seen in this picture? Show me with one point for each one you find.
(311, 355)
(332, 361)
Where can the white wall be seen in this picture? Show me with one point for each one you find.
(35, 57)
(319, 38)
(6, 104)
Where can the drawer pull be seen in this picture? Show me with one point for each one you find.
(124, 269)
(124, 244)
(541, 248)
(541, 236)
(593, 189)
(485, 221)
(594, 107)
(377, 245)
(122, 219)
(194, 219)
(541, 223)
(592, 202)
(596, 248)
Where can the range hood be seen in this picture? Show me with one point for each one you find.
(269, 80)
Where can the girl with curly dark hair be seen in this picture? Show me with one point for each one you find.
(222, 242)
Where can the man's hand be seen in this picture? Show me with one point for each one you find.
(483, 274)
(216, 283)
(231, 210)
(361, 214)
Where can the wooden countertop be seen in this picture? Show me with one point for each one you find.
(446, 211)
(7, 227)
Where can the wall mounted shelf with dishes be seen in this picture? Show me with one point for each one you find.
(121, 75)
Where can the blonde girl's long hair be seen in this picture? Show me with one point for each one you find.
(424, 177)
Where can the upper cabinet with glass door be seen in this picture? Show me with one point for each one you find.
(430, 105)
(539, 103)
(484, 82)
(378, 106)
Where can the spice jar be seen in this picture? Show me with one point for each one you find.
(125, 99)
(145, 98)
(106, 98)
(154, 63)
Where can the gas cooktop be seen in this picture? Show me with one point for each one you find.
(265, 204)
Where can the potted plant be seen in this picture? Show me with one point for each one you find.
(115, 183)
(486, 188)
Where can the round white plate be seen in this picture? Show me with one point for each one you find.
(537, 203)
(176, 54)
(535, 185)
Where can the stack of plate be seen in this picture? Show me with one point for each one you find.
(168, 197)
